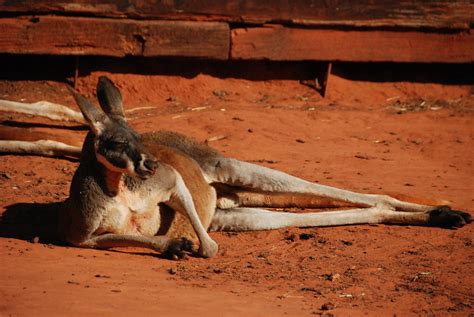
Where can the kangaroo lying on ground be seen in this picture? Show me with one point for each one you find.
(161, 189)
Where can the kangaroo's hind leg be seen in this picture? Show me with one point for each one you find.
(262, 179)
(250, 219)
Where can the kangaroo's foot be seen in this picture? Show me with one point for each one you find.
(445, 217)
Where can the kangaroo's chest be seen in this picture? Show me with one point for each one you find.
(133, 212)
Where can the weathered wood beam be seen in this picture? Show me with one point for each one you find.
(211, 40)
(111, 37)
(359, 13)
(280, 43)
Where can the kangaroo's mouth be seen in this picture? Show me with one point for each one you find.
(144, 175)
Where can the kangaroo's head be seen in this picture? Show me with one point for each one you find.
(117, 146)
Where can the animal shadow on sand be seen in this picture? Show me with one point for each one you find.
(31, 221)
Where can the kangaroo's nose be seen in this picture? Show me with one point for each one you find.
(151, 165)
(146, 168)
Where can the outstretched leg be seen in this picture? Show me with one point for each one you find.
(43, 109)
(250, 219)
(41, 147)
(174, 248)
(262, 179)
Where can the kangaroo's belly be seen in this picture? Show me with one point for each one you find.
(130, 214)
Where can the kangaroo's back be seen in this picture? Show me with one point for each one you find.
(199, 152)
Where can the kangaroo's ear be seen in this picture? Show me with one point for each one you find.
(95, 117)
(110, 98)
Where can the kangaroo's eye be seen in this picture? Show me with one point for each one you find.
(117, 144)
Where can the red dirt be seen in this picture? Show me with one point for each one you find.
(409, 138)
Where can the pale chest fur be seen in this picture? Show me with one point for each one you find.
(133, 212)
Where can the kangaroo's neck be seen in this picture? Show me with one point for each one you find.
(112, 181)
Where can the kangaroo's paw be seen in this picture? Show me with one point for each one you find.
(178, 248)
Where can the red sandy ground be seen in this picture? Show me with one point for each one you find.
(408, 138)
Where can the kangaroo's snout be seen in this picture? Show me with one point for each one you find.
(147, 167)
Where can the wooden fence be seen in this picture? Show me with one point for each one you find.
(325, 30)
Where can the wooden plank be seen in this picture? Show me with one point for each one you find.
(109, 37)
(279, 43)
(456, 14)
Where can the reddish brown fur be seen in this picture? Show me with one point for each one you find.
(285, 200)
(175, 224)
(29, 134)
(418, 200)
